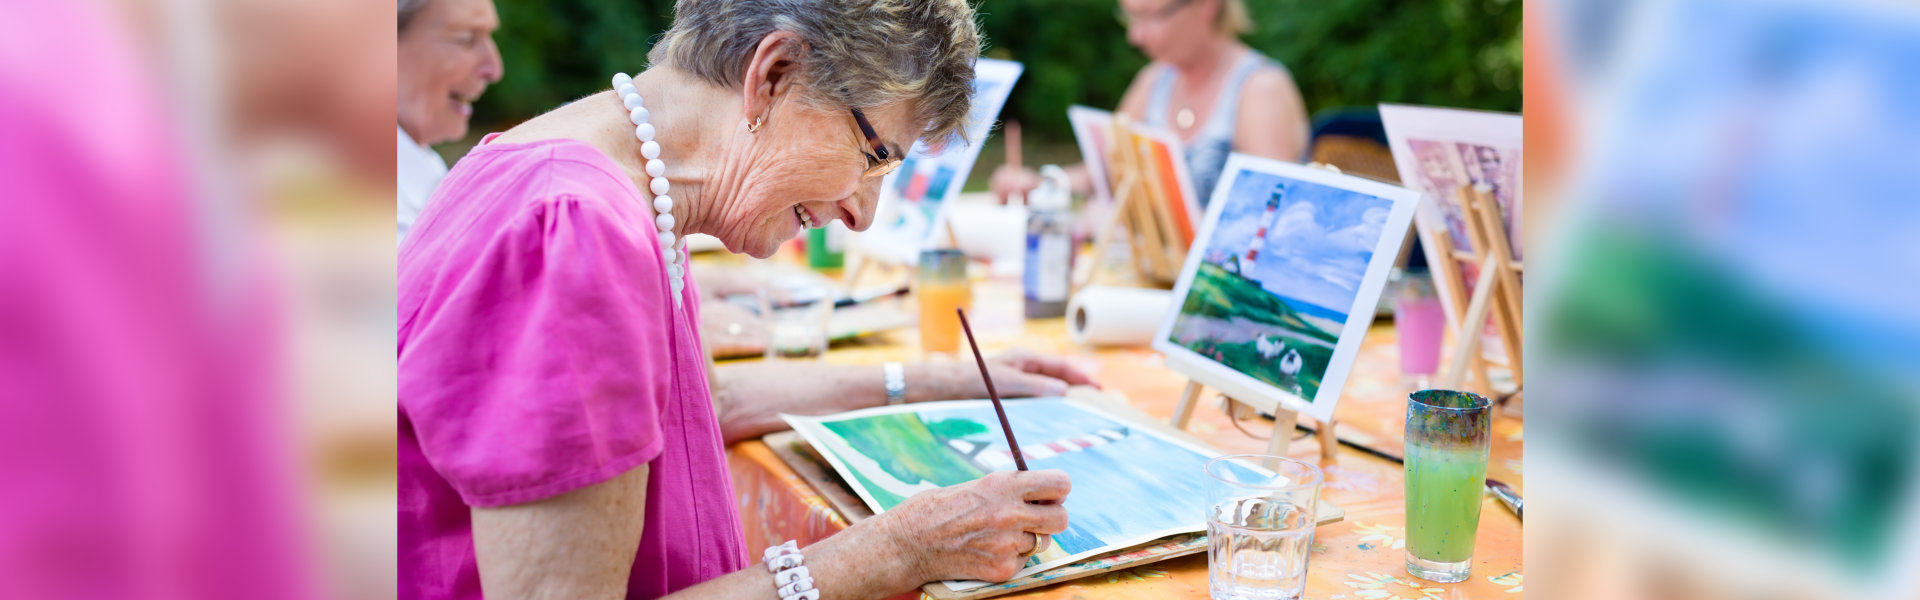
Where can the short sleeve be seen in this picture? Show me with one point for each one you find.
(541, 359)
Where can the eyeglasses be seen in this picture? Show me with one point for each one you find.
(881, 160)
(1161, 14)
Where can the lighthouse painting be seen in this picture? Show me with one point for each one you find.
(1286, 272)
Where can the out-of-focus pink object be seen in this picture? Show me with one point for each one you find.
(540, 353)
(141, 447)
(1420, 324)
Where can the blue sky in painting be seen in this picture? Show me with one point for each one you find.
(1318, 247)
(1120, 490)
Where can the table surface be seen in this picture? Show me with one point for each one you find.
(1361, 557)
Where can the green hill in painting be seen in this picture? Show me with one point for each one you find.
(1217, 297)
(907, 449)
(1221, 294)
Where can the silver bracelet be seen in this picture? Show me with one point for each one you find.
(896, 383)
(790, 577)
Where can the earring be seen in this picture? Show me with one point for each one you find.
(755, 125)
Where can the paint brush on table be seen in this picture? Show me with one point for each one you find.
(1507, 496)
(1012, 445)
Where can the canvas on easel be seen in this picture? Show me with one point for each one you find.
(1468, 166)
(1277, 294)
(1093, 132)
(1154, 203)
(911, 215)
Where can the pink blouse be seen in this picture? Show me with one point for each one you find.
(540, 353)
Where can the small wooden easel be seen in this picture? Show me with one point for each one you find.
(1283, 421)
(1284, 418)
(1497, 290)
(1140, 205)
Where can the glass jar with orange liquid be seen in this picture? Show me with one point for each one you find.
(942, 287)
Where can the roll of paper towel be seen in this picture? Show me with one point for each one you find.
(1116, 316)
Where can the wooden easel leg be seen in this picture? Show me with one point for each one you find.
(1465, 348)
(1188, 399)
(1283, 421)
(1329, 443)
(1485, 379)
(1122, 190)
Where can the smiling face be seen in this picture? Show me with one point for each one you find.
(447, 59)
(805, 168)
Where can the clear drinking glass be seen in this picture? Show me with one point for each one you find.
(1260, 519)
(796, 323)
(1446, 469)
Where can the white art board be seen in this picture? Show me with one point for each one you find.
(1281, 284)
(1093, 131)
(913, 198)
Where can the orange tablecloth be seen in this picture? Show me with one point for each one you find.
(1361, 557)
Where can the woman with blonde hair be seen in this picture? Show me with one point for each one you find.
(1206, 87)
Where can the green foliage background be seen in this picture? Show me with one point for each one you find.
(1460, 53)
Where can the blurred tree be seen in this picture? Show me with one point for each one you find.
(1459, 53)
(557, 51)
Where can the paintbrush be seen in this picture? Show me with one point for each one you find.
(1005, 426)
(1507, 496)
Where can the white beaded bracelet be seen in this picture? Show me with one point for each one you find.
(789, 576)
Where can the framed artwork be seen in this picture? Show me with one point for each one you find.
(1281, 284)
(1438, 150)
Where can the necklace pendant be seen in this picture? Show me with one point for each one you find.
(1184, 118)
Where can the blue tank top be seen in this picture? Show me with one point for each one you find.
(1207, 151)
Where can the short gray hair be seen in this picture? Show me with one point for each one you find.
(408, 9)
(859, 53)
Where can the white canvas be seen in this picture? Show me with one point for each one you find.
(1093, 131)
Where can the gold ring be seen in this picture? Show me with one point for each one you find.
(1038, 541)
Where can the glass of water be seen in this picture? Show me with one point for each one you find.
(1260, 518)
(796, 322)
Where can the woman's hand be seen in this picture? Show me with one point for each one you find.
(1017, 373)
(978, 529)
(1008, 180)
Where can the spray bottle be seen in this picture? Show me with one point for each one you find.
(1049, 267)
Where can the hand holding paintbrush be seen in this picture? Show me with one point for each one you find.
(1040, 542)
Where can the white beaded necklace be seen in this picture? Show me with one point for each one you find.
(670, 245)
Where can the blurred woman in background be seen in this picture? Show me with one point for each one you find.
(1206, 87)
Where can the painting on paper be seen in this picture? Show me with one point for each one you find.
(1131, 484)
(1439, 150)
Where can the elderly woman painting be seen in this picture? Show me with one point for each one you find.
(558, 435)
